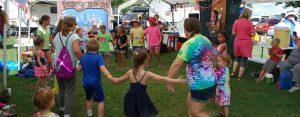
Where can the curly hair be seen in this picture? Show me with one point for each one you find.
(43, 98)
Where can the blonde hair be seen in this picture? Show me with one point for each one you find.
(246, 13)
(227, 59)
(276, 40)
(92, 45)
(43, 98)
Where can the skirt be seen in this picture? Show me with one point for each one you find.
(39, 72)
(138, 104)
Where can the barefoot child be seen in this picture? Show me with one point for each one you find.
(222, 47)
(275, 56)
(104, 38)
(137, 102)
(223, 85)
(40, 68)
(154, 40)
(44, 101)
(121, 42)
(91, 63)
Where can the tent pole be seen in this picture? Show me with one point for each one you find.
(118, 17)
(29, 20)
(4, 47)
(19, 44)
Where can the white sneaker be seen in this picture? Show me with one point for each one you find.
(294, 88)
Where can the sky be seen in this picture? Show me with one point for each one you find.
(269, 8)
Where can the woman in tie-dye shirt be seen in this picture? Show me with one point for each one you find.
(196, 53)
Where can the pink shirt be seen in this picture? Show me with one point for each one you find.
(153, 35)
(243, 28)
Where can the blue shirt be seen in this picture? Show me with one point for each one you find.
(91, 63)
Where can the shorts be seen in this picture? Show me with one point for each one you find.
(202, 95)
(45, 50)
(106, 53)
(242, 61)
(94, 92)
(154, 48)
(270, 65)
(137, 47)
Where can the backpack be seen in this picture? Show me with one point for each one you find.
(64, 65)
(285, 80)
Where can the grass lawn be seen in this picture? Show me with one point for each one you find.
(249, 99)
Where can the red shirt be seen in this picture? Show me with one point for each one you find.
(273, 51)
(243, 28)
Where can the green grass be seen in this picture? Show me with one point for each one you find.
(249, 99)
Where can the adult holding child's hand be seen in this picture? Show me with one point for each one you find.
(196, 53)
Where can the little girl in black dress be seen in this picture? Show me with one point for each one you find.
(137, 102)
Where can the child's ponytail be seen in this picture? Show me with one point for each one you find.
(139, 58)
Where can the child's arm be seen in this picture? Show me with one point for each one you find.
(105, 72)
(79, 68)
(223, 48)
(121, 79)
(39, 54)
(165, 79)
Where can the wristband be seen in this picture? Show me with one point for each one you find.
(109, 76)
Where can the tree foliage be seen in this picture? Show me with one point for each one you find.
(294, 4)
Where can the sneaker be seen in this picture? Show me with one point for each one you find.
(294, 88)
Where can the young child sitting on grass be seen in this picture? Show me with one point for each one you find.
(91, 63)
(43, 99)
(275, 57)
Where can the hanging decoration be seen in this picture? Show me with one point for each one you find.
(21, 3)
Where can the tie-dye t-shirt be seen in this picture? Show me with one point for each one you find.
(197, 53)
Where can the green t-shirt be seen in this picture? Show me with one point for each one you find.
(104, 40)
(45, 33)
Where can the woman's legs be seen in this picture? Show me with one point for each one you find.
(235, 65)
(123, 64)
(243, 65)
(61, 96)
(195, 108)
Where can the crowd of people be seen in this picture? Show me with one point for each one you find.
(206, 59)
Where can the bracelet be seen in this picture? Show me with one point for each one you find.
(109, 76)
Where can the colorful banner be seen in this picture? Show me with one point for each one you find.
(21, 3)
(87, 12)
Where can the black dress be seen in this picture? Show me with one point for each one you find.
(137, 102)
